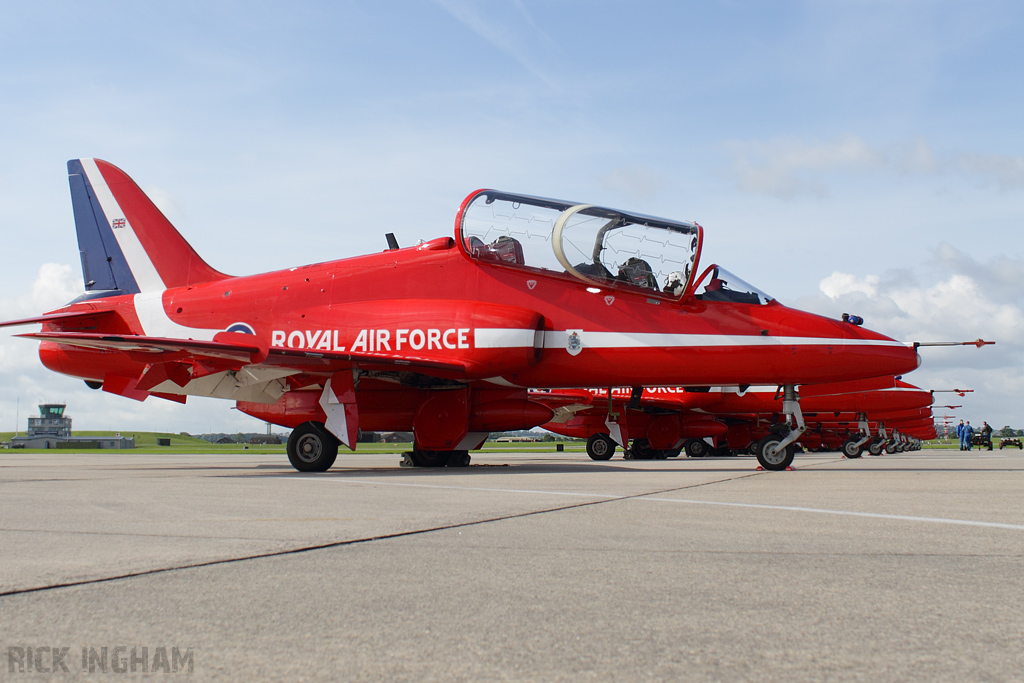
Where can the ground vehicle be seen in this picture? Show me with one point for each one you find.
(1009, 442)
(981, 441)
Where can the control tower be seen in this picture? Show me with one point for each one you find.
(52, 429)
(51, 422)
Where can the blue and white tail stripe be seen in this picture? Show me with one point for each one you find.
(104, 265)
(106, 236)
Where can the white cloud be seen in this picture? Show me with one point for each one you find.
(55, 285)
(966, 301)
(24, 381)
(787, 167)
(838, 284)
(638, 183)
(1006, 172)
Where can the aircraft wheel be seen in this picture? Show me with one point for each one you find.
(696, 448)
(458, 459)
(422, 458)
(640, 449)
(774, 461)
(600, 447)
(851, 449)
(751, 448)
(875, 448)
(890, 448)
(311, 448)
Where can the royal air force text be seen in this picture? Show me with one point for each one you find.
(375, 341)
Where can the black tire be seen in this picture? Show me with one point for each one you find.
(458, 459)
(777, 461)
(875, 448)
(311, 448)
(640, 449)
(673, 452)
(851, 449)
(890, 448)
(696, 448)
(600, 447)
(422, 458)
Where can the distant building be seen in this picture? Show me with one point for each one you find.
(265, 439)
(52, 429)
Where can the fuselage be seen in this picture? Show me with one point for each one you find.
(509, 325)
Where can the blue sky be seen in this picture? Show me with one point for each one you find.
(844, 156)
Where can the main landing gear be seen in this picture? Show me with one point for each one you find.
(311, 448)
(421, 458)
(696, 448)
(600, 447)
(640, 449)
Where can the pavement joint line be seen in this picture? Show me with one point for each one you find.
(851, 513)
(647, 496)
(487, 489)
(356, 541)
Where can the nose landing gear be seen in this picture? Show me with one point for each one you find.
(776, 451)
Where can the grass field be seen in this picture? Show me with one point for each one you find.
(145, 443)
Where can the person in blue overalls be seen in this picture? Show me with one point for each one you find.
(968, 435)
(960, 434)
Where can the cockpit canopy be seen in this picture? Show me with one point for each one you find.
(600, 246)
(718, 284)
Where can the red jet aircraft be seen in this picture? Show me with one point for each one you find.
(443, 338)
(661, 420)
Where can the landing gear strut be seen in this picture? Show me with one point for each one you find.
(775, 452)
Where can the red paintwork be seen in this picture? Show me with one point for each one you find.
(435, 289)
(738, 420)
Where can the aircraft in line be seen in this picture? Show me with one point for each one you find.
(443, 338)
(848, 416)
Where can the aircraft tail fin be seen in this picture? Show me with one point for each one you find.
(127, 245)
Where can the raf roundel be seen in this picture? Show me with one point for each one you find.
(244, 328)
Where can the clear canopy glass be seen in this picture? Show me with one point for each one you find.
(601, 246)
(718, 284)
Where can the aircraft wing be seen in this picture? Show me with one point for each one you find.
(242, 348)
(58, 317)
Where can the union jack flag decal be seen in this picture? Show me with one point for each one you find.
(118, 223)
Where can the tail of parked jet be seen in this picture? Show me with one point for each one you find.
(127, 245)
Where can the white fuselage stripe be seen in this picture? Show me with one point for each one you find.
(554, 339)
(143, 270)
(149, 306)
(501, 338)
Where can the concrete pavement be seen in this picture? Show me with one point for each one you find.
(521, 567)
